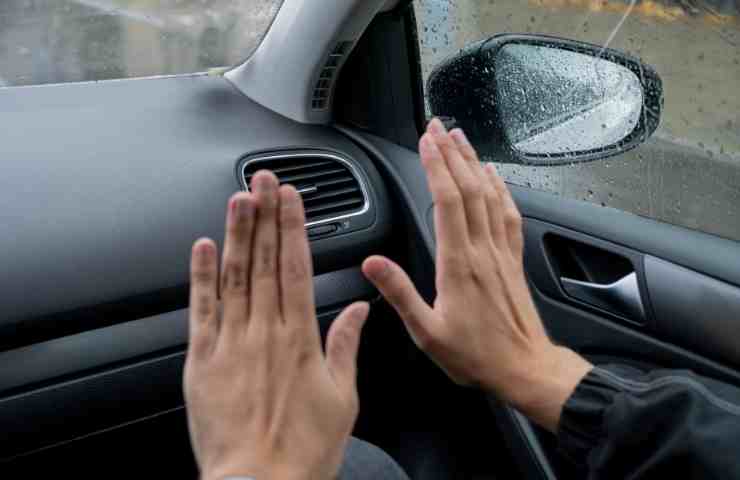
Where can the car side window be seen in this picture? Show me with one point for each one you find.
(61, 41)
(688, 172)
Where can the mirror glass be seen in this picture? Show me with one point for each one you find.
(553, 101)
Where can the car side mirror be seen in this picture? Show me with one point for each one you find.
(541, 100)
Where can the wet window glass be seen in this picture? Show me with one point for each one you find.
(688, 172)
(59, 41)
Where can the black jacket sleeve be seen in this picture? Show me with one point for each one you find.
(621, 423)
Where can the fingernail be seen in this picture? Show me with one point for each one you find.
(288, 195)
(264, 181)
(436, 127)
(460, 138)
(202, 248)
(383, 271)
(429, 146)
(361, 310)
(243, 208)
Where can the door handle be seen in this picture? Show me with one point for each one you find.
(621, 297)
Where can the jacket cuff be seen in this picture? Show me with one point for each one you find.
(582, 424)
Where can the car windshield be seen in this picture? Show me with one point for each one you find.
(59, 41)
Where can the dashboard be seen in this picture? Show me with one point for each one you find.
(97, 237)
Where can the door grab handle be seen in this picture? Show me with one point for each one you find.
(621, 297)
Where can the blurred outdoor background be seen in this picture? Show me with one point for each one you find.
(56, 41)
(687, 174)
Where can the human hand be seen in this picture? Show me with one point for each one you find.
(484, 329)
(262, 399)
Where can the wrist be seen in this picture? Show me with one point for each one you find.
(547, 383)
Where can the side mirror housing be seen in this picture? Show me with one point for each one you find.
(540, 100)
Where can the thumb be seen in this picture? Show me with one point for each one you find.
(396, 287)
(342, 344)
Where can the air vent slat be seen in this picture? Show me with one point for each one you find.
(289, 168)
(335, 181)
(313, 197)
(332, 205)
(306, 176)
(329, 186)
(322, 90)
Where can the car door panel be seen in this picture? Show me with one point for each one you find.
(695, 310)
(695, 250)
(680, 303)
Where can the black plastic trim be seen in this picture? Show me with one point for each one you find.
(521, 440)
(96, 349)
(375, 87)
(403, 168)
(103, 386)
(78, 407)
(417, 78)
(695, 311)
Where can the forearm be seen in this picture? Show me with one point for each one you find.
(623, 423)
(545, 384)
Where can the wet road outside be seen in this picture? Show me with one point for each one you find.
(688, 173)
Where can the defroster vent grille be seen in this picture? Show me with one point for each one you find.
(322, 90)
(330, 187)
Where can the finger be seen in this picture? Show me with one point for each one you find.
(451, 228)
(471, 159)
(342, 344)
(396, 287)
(463, 144)
(467, 183)
(296, 277)
(513, 223)
(495, 207)
(236, 260)
(264, 295)
(203, 298)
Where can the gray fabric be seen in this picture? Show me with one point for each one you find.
(363, 461)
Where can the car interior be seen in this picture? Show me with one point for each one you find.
(106, 185)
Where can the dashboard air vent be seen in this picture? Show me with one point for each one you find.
(320, 99)
(330, 186)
